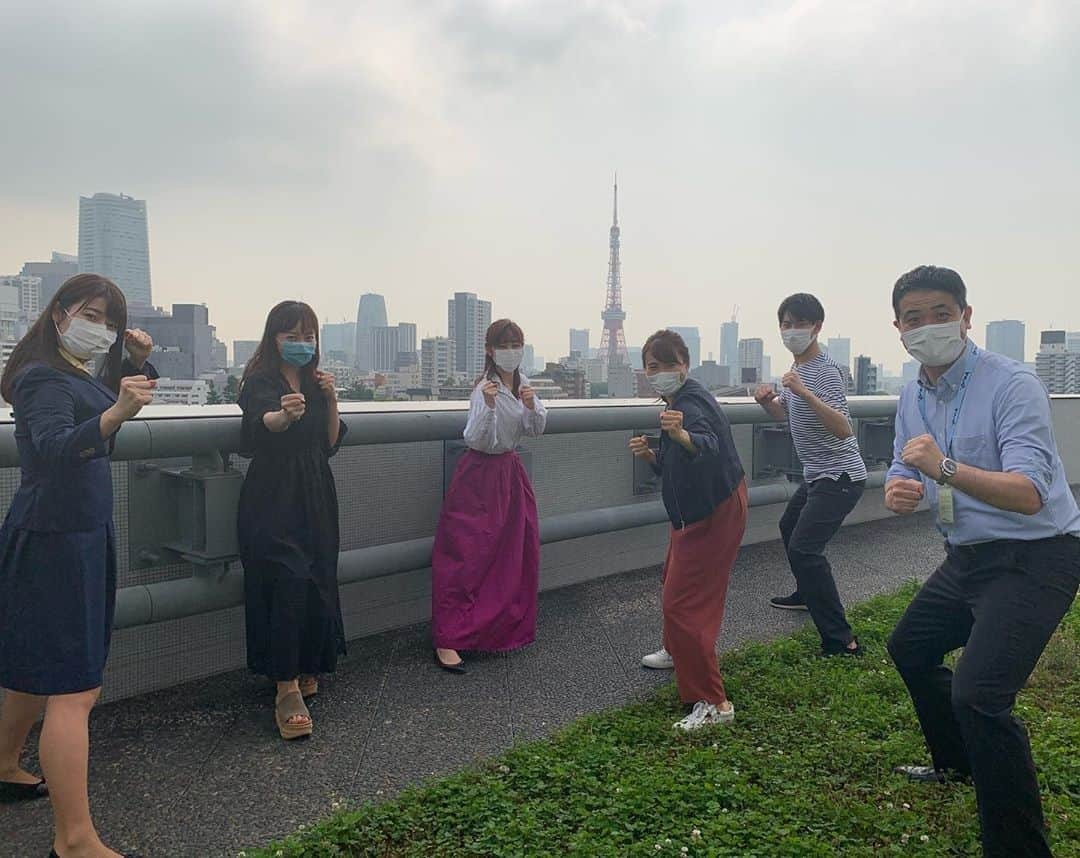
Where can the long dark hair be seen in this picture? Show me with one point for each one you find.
(41, 344)
(499, 332)
(267, 358)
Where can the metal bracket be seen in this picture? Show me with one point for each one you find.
(876, 440)
(774, 452)
(183, 513)
(646, 480)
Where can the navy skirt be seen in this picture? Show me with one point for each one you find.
(57, 600)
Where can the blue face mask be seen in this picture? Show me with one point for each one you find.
(298, 354)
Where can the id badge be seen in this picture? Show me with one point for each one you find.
(945, 505)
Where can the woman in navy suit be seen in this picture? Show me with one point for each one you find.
(57, 550)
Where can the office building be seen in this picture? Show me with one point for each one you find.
(114, 242)
(1072, 341)
(1006, 337)
(28, 288)
(569, 379)
(10, 314)
(436, 361)
(1056, 366)
(370, 314)
(752, 356)
(692, 338)
(729, 345)
(910, 371)
(622, 383)
(243, 350)
(468, 319)
(337, 341)
(393, 346)
(52, 274)
(839, 349)
(579, 341)
(528, 360)
(183, 339)
(866, 376)
(711, 375)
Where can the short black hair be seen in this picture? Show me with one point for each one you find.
(803, 308)
(666, 346)
(929, 278)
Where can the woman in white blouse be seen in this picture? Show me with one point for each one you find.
(486, 558)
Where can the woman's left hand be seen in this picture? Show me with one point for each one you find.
(671, 422)
(528, 397)
(327, 384)
(139, 345)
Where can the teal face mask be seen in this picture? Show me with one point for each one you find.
(298, 354)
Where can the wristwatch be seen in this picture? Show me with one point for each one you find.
(948, 471)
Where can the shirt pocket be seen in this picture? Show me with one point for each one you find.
(976, 450)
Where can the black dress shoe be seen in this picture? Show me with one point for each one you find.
(13, 792)
(833, 649)
(452, 668)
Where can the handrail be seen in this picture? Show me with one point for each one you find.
(166, 432)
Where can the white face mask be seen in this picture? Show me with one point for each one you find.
(798, 340)
(935, 345)
(666, 383)
(508, 360)
(84, 339)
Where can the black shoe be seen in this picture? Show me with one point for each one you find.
(452, 668)
(13, 792)
(794, 602)
(833, 649)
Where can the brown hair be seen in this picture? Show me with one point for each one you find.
(667, 347)
(499, 332)
(41, 344)
(284, 317)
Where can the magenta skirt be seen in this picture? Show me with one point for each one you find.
(486, 559)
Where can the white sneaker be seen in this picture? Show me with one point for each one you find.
(659, 660)
(705, 714)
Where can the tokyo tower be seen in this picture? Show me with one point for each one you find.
(613, 342)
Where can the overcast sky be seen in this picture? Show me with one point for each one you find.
(322, 150)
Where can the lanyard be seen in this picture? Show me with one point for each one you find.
(951, 422)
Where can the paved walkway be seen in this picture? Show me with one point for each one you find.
(199, 770)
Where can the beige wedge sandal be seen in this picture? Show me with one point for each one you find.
(289, 706)
(309, 687)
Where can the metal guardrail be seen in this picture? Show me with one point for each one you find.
(167, 432)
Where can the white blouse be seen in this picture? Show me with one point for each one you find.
(499, 429)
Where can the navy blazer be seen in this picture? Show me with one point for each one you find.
(66, 482)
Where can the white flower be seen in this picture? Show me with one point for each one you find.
(504, 770)
(925, 838)
(659, 848)
(696, 834)
(685, 850)
(904, 838)
(907, 806)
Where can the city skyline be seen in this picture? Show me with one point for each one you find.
(419, 151)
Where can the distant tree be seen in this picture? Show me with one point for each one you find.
(358, 392)
(232, 390)
(213, 397)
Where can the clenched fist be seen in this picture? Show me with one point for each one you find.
(639, 446)
(923, 453)
(528, 397)
(327, 384)
(293, 404)
(903, 496)
(490, 391)
(135, 392)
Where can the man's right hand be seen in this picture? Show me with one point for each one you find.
(903, 496)
(765, 394)
(640, 447)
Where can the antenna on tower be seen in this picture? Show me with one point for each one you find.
(735, 313)
(615, 209)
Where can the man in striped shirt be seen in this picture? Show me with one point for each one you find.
(814, 402)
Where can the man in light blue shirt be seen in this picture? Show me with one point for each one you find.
(974, 437)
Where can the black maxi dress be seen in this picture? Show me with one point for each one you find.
(288, 534)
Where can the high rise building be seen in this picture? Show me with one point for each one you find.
(337, 341)
(468, 319)
(10, 329)
(910, 371)
(28, 288)
(183, 340)
(528, 361)
(1056, 366)
(613, 340)
(1006, 337)
(114, 242)
(729, 346)
(579, 341)
(866, 376)
(243, 350)
(752, 356)
(370, 314)
(393, 346)
(711, 375)
(1072, 341)
(692, 338)
(436, 361)
(52, 274)
(839, 349)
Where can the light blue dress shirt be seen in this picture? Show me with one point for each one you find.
(1004, 424)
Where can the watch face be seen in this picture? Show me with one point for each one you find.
(948, 467)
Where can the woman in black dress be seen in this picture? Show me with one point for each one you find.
(57, 548)
(288, 516)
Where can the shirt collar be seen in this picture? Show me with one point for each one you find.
(74, 361)
(950, 381)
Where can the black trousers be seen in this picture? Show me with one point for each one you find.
(811, 519)
(1001, 601)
